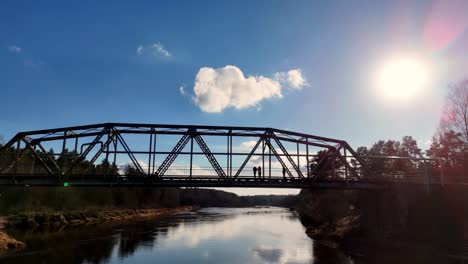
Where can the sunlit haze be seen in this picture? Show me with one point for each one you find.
(403, 78)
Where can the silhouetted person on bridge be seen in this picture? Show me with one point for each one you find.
(284, 173)
(259, 172)
(255, 172)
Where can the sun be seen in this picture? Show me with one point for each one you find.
(402, 78)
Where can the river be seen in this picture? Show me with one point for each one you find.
(210, 235)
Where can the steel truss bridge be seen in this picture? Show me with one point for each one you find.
(145, 155)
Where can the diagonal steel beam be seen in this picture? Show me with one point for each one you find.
(12, 141)
(18, 157)
(56, 166)
(173, 155)
(211, 158)
(278, 157)
(248, 157)
(130, 153)
(349, 167)
(83, 155)
(278, 142)
(99, 152)
(43, 163)
(356, 156)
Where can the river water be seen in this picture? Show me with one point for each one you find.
(211, 235)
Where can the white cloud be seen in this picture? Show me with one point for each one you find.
(15, 49)
(292, 79)
(182, 90)
(139, 50)
(156, 49)
(160, 48)
(218, 89)
(295, 79)
(247, 145)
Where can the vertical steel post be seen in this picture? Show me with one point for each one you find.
(298, 163)
(149, 152)
(106, 172)
(263, 158)
(191, 156)
(115, 151)
(154, 152)
(269, 161)
(307, 157)
(227, 157)
(64, 143)
(76, 145)
(230, 151)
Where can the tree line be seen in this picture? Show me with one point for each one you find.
(447, 153)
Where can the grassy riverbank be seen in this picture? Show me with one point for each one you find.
(59, 220)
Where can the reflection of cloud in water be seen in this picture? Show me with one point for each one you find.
(279, 238)
(284, 254)
(268, 255)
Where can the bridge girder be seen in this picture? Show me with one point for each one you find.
(110, 139)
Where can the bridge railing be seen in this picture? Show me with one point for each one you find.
(406, 169)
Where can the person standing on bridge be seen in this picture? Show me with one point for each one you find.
(255, 171)
(259, 172)
(284, 173)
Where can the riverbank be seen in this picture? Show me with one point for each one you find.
(363, 220)
(7, 242)
(60, 220)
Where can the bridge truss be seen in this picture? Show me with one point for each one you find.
(121, 154)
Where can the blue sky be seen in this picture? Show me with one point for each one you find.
(78, 63)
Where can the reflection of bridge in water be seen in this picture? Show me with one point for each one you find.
(116, 154)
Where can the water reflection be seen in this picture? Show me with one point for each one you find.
(212, 235)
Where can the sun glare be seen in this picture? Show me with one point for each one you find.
(402, 78)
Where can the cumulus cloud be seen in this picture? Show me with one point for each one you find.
(227, 87)
(292, 79)
(14, 49)
(156, 49)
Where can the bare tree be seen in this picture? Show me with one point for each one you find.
(455, 116)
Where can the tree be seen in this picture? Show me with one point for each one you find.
(131, 170)
(326, 164)
(448, 147)
(379, 157)
(455, 116)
